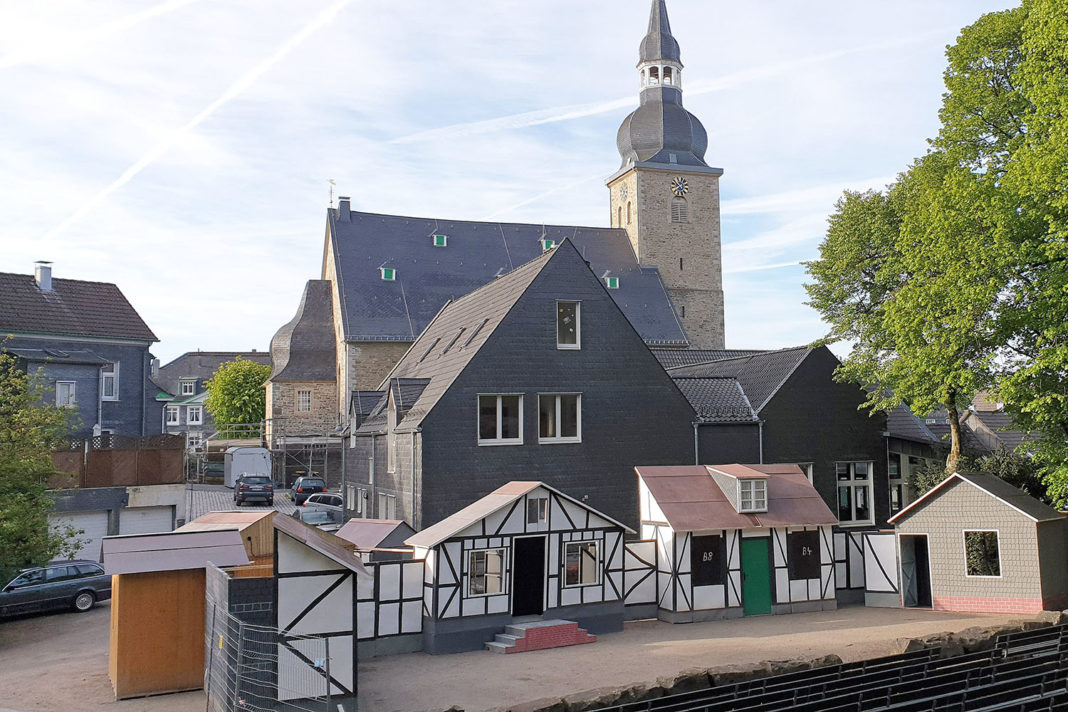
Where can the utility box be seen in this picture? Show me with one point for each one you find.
(245, 461)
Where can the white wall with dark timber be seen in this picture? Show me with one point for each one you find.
(849, 559)
(390, 603)
(790, 587)
(316, 599)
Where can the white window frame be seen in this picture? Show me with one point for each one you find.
(903, 468)
(188, 387)
(198, 411)
(578, 325)
(72, 394)
(853, 484)
(597, 570)
(757, 496)
(964, 544)
(500, 421)
(502, 553)
(194, 440)
(113, 377)
(176, 412)
(300, 406)
(577, 438)
(540, 512)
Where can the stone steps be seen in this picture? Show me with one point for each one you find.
(539, 635)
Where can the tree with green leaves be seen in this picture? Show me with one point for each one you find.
(236, 393)
(30, 429)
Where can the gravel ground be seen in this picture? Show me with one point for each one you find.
(643, 652)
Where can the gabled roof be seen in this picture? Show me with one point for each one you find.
(495, 501)
(305, 349)
(325, 543)
(996, 487)
(693, 501)
(80, 356)
(1000, 424)
(362, 403)
(427, 277)
(374, 533)
(673, 358)
(173, 551)
(202, 365)
(760, 374)
(903, 424)
(72, 308)
(717, 400)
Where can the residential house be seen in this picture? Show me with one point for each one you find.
(183, 382)
(89, 345)
(538, 372)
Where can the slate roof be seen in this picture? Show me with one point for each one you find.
(305, 349)
(1001, 424)
(427, 277)
(717, 400)
(903, 424)
(692, 500)
(80, 356)
(659, 43)
(760, 374)
(995, 487)
(673, 358)
(363, 403)
(72, 308)
(202, 365)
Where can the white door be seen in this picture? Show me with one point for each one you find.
(93, 524)
(146, 520)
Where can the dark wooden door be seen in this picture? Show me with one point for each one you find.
(528, 576)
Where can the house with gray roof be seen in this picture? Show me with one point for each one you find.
(539, 372)
(90, 346)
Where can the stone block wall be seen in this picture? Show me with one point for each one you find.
(283, 416)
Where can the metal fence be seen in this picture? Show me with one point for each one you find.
(252, 668)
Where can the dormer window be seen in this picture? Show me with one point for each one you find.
(189, 388)
(612, 282)
(441, 240)
(752, 495)
(547, 245)
(388, 274)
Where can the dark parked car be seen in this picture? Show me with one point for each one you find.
(253, 487)
(304, 487)
(60, 584)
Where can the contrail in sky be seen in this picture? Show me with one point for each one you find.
(578, 111)
(238, 87)
(65, 44)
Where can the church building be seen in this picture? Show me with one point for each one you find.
(385, 277)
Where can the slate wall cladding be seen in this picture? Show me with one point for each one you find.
(961, 506)
(815, 419)
(632, 413)
(136, 412)
(1053, 557)
(729, 443)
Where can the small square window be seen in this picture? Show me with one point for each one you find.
(560, 418)
(537, 510)
(547, 245)
(500, 420)
(612, 282)
(194, 415)
(485, 571)
(441, 240)
(753, 495)
(189, 388)
(582, 565)
(388, 274)
(173, 415)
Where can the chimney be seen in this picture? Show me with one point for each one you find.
(42, 272)
(343, 208)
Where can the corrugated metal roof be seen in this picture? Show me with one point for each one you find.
(173, 551)
(692, 500)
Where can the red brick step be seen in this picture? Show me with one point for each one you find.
(539, 635)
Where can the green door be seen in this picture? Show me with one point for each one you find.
(756, 577)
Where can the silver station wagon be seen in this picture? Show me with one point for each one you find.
(61, 584)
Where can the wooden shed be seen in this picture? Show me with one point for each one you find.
(157, 607)
(255, 528)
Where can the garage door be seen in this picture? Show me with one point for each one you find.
(146, 520)
(95, 526)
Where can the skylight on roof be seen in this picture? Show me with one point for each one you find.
(612, 282)
(388, 274)
(429, 349)
(547, 245)
(475, 332)
(440, 240)
(452, 341)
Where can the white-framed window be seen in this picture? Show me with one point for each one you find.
(559, 418)
(854, 492)
(189, 388)
(982, 553)
(485, 572)
(194, 415)
(611, 282)
(568, 325)
(582, 564)
(193, 441)
(753, 495)
(547, 245)
(898, 484)
(66, 394)
(388, 274)
(537, 510)
(441, 240)
(109, 382)
(303, 401)
(173, 415)
(500, 420)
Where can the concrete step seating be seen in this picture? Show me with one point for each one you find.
(539, 635)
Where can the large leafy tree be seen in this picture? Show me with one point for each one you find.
(236, 393)
(970, 285)
(29, 430)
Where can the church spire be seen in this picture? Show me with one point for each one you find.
(659, 44)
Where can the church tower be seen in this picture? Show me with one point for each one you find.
(664, 194)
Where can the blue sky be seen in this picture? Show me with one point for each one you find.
(182, 148)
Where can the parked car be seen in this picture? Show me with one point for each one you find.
(304, 487)
(319, 518)
(253, 487)
(73, 584)
(324, 501)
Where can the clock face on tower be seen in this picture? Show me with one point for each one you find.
(679, 187)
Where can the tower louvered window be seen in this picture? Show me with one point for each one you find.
(680, 211)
